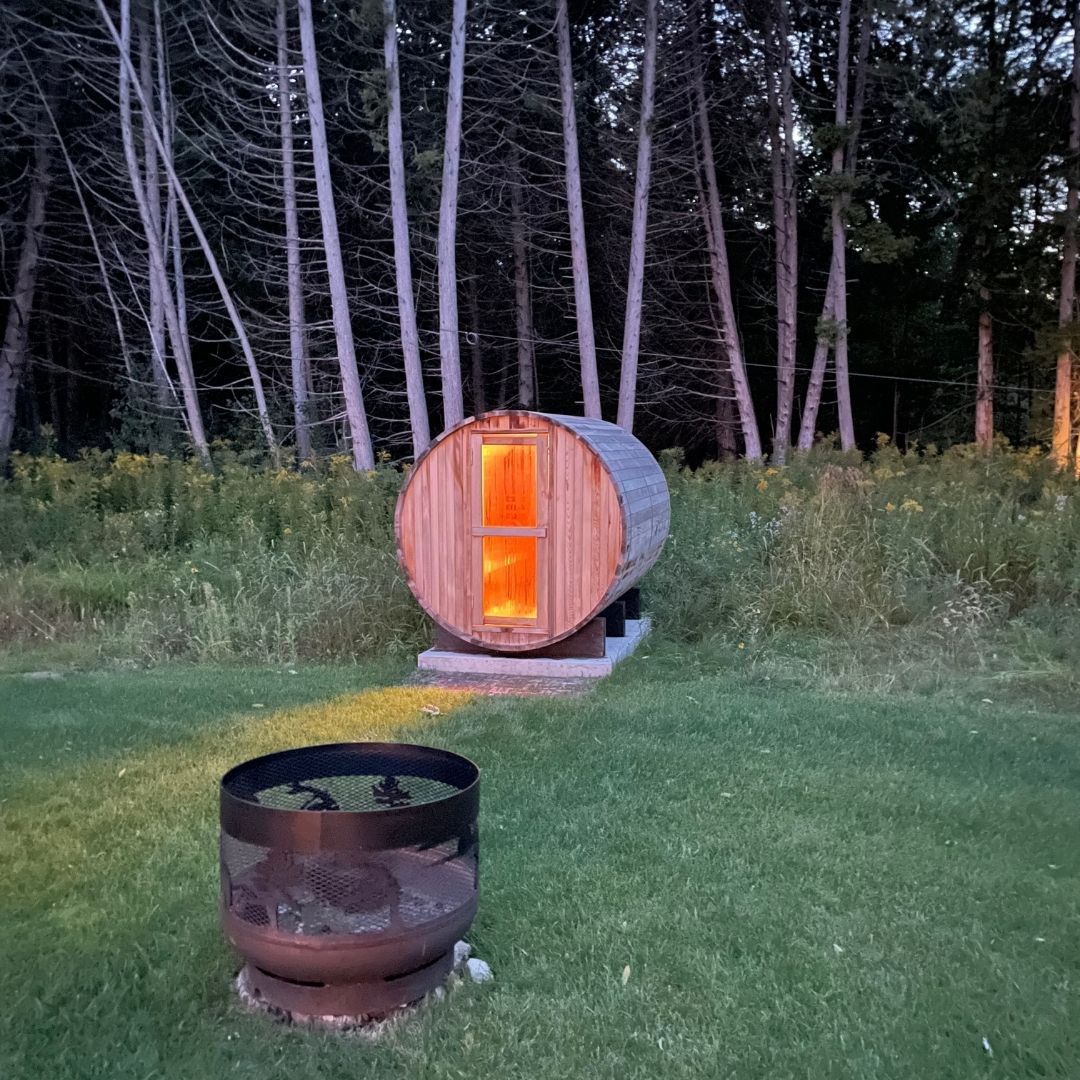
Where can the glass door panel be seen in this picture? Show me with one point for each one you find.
(509, 576)
(508, 483)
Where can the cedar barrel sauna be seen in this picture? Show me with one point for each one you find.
(516, 529)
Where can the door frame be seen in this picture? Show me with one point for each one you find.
(476, 530)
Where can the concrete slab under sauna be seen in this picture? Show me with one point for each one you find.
(615, 649)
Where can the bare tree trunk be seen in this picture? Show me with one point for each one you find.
(29, 398)
(727, 445)
(128, 73)
(362, 452)
(828, 315)
(817, 370)
(297, 340)
(785, 215)
(502, 395)
(726, 420)
(91, 232)
(477, 353)
(53, 385)
(172, 241)
(636, 276)
(153, 202)
(984, 393)
(526, 359)
(15, 348)
(1063, 388)
(70, 384)
(449, 345)
(839, 238)
(590, 381)
(410, 338)
(718, 261)
(154, 245)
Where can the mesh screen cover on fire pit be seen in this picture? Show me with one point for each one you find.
(349, 870)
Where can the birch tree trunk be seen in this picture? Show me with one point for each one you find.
(449, 344)
(410, 338)
(154, 246)
(362, 453)
(299, 366)
(636, 276)
(984, 391)
(523, 320)
(785, 216)
(590, 381)
(812, 403)
(15, 347)
(128, 73)
(839, 238)
(152, 178)
(719, 266)
(1063, 388)
(172, 241)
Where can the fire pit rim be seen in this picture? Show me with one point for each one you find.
(314, 830)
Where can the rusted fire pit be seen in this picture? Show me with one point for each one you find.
(348, 872)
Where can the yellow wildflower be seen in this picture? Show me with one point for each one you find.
(770, 471)
(911, 506)
(762, 485)
(890, 507)
(742, 645)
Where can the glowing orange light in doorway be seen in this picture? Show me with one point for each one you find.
(508, 495)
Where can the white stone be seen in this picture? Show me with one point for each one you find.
(479, 971)
(462, 952)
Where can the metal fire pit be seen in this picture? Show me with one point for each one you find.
(348, 872)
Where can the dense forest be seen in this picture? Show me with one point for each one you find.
(312, 227)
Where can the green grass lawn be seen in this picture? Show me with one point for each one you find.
(802, 884)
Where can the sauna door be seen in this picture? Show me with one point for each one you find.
(508, 531)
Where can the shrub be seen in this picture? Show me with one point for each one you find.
(836, 543)
(160, 558)
(155, 557)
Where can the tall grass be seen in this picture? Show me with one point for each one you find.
(152, 557)
(840, 544)
(157, 557)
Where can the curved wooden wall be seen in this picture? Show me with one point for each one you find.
(603, 511)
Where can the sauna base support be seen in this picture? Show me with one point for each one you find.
(568, 667)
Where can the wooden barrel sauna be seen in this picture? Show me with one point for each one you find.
(515, 528)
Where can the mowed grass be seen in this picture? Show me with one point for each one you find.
(801, 884)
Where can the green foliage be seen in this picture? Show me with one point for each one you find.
(160, 558)
(877, 243)
(827, 329)
(154, 557)
(828, 137)
(140, 424)
(428, 162)
(954, 542)
(829, 185)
